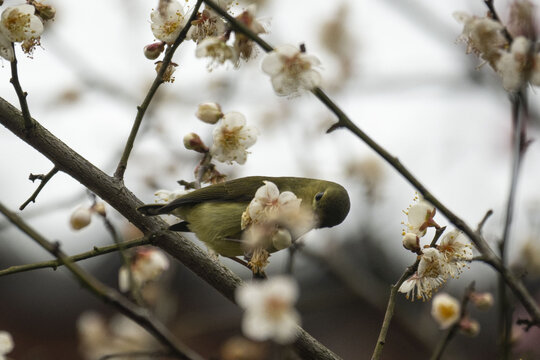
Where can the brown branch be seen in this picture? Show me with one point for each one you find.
(123, 200)
(141, 110)
(44, 180)
(28, 121)
(54, 264)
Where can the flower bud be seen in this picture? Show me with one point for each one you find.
(99, 208)
(45, 12)
(411, 242)
(281, 239)
(469, 327)
(152, 51)
(193, 142)
(80, 218)
(482, 301)
(209, 112)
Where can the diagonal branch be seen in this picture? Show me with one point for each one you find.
(122, 165)
(44, 180)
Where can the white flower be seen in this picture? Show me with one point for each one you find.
(243, 44)
(269, 203)
(19, 23)
(80, 218)
(232, 137)
(217, 49)
(209, 113)
(512, 66)
(169, 195)
(208, 24)
(6, 50)
(6, 343)
(420, 217)
(291, 71)
(147, 265)
(269, 312)
(167, 26)
(484, 36)
(429, 276)
(482, 301)
(456, 251)
(445, 309)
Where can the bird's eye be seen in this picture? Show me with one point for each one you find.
(319, 196)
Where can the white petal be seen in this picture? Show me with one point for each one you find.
(268, 192)
(287, 50)
(310, 79)
(234, 119)
(272, 63)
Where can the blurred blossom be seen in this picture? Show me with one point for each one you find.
(239, 348)
(98, 338)
(217, 50)
(482, 301)
(232, 137)
(445, 309)
(484, 36)
(522, 21)
(269, 312)
(147, 265)
(242, 44)
(6, 344)
(169, 71)
(80, 218)
(512, 66)
(167, 23)
(291, 71)
(207, 24)
(469, 327)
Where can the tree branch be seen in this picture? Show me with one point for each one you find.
(122, 165)
(44, 180)
(83, 256)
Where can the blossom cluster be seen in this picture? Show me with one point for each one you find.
(510, 51)
(22, 24)
(146, 265)
(437, 263)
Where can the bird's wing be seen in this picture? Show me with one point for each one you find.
(238, 190)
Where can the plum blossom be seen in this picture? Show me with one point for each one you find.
(429, 276)
(456, 251)
(217, 50)
(420, 217)
(19, 23)
(147, 265)
(291, 71)
(445, 309)
(232, 137)
(6, 344)
(167, 24)
(269, 312)
(513, 65)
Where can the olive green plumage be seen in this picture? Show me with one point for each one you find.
(214, 212)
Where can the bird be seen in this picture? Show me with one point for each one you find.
(214, 213)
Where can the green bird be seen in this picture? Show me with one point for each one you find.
(214, 212)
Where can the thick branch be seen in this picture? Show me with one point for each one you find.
(119, 197)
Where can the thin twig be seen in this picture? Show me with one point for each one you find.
(54, 264)
(109, 295)
(381, 340)
(437, 353)
(44, 180)
(519, 111)
(122, 165)
(495, 16)
(483, 222)
(136, 354)
(28, 121)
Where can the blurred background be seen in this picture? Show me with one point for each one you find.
(393, 66)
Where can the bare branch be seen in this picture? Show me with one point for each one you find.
(44, 180)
